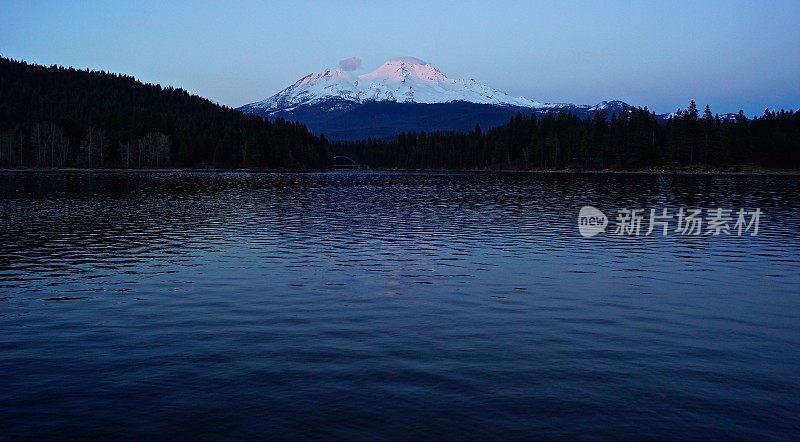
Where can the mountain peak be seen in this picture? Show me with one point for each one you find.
(325, 76)
(401, 80)
(406, 60)
(405, 69)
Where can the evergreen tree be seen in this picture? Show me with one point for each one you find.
(631, 140)
(60, 117)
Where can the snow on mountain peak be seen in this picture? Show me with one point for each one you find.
(402, 80)
(407, 60)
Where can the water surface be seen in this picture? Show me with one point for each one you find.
(342, 304)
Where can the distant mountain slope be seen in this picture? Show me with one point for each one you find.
(404, 94)
(632, 140)
(63, 117)
(346, 121)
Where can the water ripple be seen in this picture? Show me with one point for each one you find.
(337, 304)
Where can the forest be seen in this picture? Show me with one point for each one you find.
(632, 140)
(54, 117)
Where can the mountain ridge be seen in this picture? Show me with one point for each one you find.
(401, 80)
(405, 94)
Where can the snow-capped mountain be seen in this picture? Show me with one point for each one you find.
(401, 80)
(403, 94)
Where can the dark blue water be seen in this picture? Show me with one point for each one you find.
(407, 305)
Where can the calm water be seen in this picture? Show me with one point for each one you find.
(343, 304)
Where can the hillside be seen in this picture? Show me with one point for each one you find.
(64, 117)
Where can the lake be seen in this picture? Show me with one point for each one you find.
(347, 304)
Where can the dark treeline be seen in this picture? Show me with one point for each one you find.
(63, 117)
(634, 139)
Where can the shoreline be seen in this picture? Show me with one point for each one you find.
(694, 172)
(686, 171)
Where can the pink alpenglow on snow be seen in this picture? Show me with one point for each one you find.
(402, 80)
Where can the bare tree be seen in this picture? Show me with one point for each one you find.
(152, 150)
(8, 147)
(50, 144)
(38, 141)
(93, 147)
(126, 153)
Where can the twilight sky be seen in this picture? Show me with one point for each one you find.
(729, 54)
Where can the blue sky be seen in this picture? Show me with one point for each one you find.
(729, 54)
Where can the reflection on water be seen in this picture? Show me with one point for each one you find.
(335, 304)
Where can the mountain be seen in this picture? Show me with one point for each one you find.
(404, 94)
(400, 80)
(64, 117)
